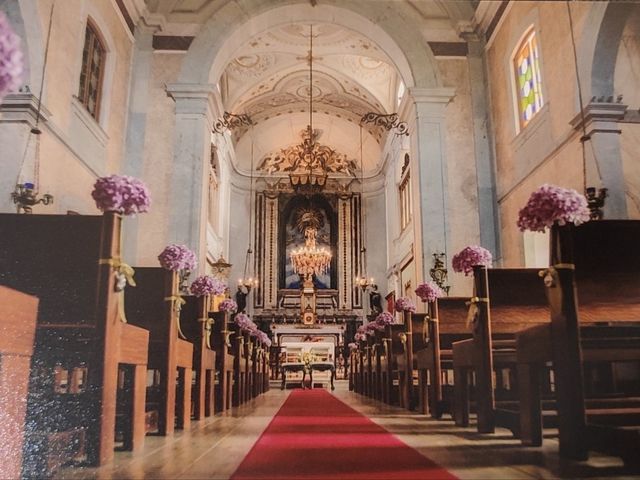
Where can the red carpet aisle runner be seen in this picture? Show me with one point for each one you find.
(316, 436)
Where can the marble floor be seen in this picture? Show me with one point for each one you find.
(214, 448)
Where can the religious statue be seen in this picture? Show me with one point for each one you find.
(375, 300)
(241, 298)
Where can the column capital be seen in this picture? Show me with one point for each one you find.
(601, 117)
(194, 99)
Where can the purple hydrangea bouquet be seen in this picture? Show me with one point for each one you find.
(207, 285)
(384, 319)
(228, 305)
(429, 291)
(405, 304)
(177, 257)
(245, 323)
(122, 194)
(11, 58)
(551, 204)
(465, 260)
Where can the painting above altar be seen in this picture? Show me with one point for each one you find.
(304, 219)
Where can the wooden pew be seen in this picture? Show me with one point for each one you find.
(506, 301)
(596, 263)
(225, 360)
(155, 305)
(241, 367)
(70, 264)
(392, 348)
(196, 326)
(413, 340)
(18, 315)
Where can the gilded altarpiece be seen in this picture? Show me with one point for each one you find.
(275, 235)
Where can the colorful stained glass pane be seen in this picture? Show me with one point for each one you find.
(528, 79)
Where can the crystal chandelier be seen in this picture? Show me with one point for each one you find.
(310, 260)
(309, 168)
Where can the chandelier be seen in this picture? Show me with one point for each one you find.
(310, 260)
(309, 167)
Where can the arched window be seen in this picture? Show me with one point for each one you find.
(526, 65)
(92, 72)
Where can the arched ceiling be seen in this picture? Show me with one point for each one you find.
(267, 76)
(268, 79)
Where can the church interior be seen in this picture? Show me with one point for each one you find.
(309, 239)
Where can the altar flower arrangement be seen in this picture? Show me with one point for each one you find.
(384, 319)
(405, 304)
(245, 323)
(177, 257)
(122, 194)
(11, 58)
(465, 260)
(429, 292)
(550, 204)
(228, 305)
(207, 285)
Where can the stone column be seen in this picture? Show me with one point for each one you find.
(137, 124)
(601, 121)
(429, 172)
(485, 169)
(195, 114)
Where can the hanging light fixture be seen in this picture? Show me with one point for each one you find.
(248, 281)
(309, 169)
(362, 280)
(25, 196)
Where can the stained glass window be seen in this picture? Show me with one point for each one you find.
(528, 79)
(93, 59)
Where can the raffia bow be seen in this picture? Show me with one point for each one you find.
(124, 276)
(473, 302)
(207, 330)
(178, 302)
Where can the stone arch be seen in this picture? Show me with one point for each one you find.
(391, 28)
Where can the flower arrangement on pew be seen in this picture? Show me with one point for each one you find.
(361, 334)
(468, 257)
(181, 259)
(429, 292)
(228, 305)
(384, 319)
(121, 194)
(207, 285)
(551, 204)
(261, 337)
(11, 58)
(245, 323)
(405, 304)
(353, 346)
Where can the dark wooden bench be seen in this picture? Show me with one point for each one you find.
(242, 366)
(70, 264)
(225, 360)
(155, 305)
(506, 301)
(197, 328)
(594, 277)
(18, 315)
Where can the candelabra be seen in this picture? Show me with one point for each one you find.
(595, 202)
(26, 197)
(439, 271)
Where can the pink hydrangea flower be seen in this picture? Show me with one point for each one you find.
(385, 318)
(245, 323)
(121, 193)
(470, 256)
(405, 304)
(353, 346)
(228, 305)
(429, 292)
(360, 336)
(207, 285)
(11, 58)
(550, 204)
(177, 257)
